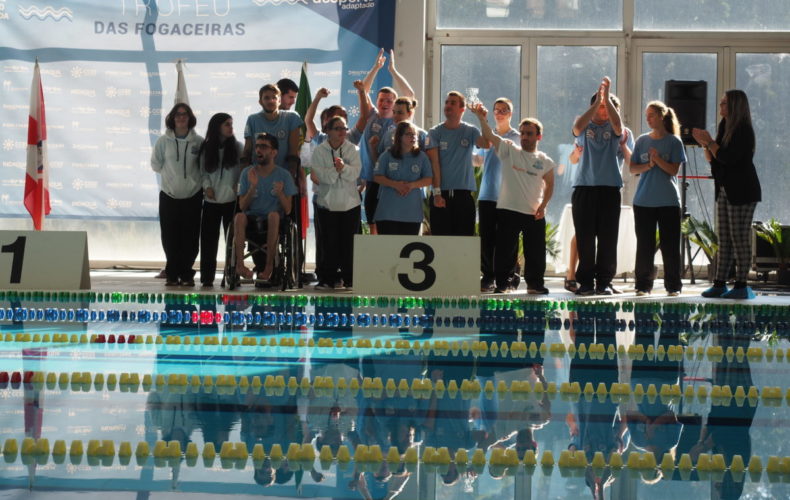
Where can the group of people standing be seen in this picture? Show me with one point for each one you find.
(384, 163)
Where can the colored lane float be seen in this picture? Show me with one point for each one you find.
(514, 349)
(719, 395)
(236, 454)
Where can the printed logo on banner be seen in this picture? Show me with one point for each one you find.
(79, 184)
(3, 13)
(277, 3)
(44, 13)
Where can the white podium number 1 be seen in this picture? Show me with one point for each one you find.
(18, 249)
(429, 274)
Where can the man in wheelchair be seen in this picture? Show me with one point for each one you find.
(265, 192)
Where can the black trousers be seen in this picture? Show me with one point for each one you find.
(511, 225)
(371, 201)
(179, 221)
(486, 215)
(214, 215)
(398, 227)
(337, 232)
(457, 218)
(319, 249)
(668, 221)
(596, 219)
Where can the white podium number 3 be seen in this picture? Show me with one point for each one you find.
(18, 249)
(429, 274)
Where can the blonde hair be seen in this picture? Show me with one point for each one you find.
(668, 117)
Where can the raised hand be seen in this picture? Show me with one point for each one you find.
(479, 110)
(392, 60)
(359, 85)
(380, 59)
(322, 92)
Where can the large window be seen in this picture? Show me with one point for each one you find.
(766, 80)
(712, 15)
(530, 14)
(483, 73)
(567, 77)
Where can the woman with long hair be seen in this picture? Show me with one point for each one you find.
(731, 157)
(402, 111)
(402, 172)
(336, 167)
(220, 156)
(656, 160)
(175, 158)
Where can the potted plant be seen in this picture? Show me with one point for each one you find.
(702, 234)
(772, 233)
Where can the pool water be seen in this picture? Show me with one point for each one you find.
(386, 398)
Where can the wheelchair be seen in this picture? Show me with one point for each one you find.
(287, 265)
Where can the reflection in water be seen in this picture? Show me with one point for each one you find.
(465, 421)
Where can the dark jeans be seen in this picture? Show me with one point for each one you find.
(214, 216)
(596, 220)
(511, 225)
(179, 221)
(486, 214)
(457, 218)
(338, 230)
(398, 227)
(668, 221)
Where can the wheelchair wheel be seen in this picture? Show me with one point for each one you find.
(289, 261)
(229, 276)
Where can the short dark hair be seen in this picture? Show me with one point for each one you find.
(612, 97)
(387, 90)
(460, 96)
(287, 85)
(532, 121)
(333, 110)
(269, 87)
(170, 119)
(272, 140)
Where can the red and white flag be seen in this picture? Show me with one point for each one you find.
(37, 177)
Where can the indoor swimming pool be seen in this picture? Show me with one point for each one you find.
(343, 397)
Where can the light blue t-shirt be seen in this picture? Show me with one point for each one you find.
(392, 206)
(281, 128)
(492, 169)
(264, 201)
(455, 154)
(319, 139)
(377, 126)
(600, 164)
(657, 188)
(389, 137)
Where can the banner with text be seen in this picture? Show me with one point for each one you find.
(109, 76)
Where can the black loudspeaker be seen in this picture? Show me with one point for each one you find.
(688, 99)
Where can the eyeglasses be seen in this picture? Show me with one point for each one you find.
(340, 129)
(263, 146)
(501, 111)
(181, 113)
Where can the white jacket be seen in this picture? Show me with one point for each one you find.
(224, 181)
(336, 192)
(177, 161)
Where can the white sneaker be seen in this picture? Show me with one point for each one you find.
(642, 293)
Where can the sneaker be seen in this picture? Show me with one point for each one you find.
(607, 290)
(340, 286)
(585, 290)
(538, 290)
(715, 292)
(207, 285)
(642, 293)
(501, 290)
(324, 286)
(188, 282)
(171, 283)
(571, 285)
(673, 293)
(486, 286)
(162, 275)
(739, 292)
(615, 291)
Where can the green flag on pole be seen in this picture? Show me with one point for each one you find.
(304, 98)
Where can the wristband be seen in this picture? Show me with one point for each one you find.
(437, 191)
